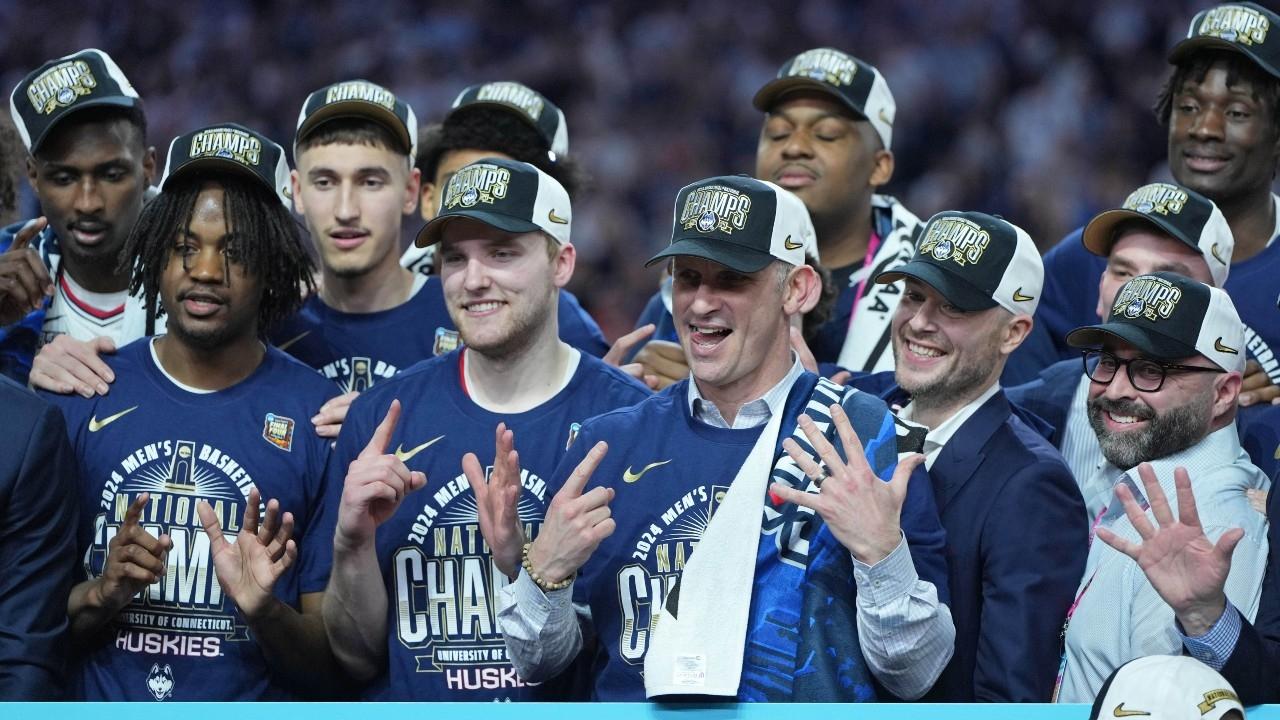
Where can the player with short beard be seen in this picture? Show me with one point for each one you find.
(199, 430)
(502, 240)
(1170, 351)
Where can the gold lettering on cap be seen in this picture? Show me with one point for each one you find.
(957, 239)
(1235, 23)
(478, 183)
(60, 86)
(824, 65)
(1213, 697)
(715, 207)
(227, 143)
(1147, 296)
(1161, 198)
(515, 95)
(361, 90)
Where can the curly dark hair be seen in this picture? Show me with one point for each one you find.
(1195, 67)
(493, 129)
(268, 242)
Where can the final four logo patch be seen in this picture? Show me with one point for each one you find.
(278, 430)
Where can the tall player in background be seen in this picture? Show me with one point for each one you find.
(200, 429)
(827, 137)
(89, 166)
(1221, 104)
(354, 183)
(411, 604)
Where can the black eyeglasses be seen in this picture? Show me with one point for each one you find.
(1144, 374)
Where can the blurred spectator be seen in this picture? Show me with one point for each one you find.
(1040, 113)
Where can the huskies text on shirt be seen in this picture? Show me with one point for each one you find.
(182, 638)
(443, 642)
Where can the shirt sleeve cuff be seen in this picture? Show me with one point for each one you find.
(1214, 647)
(536, 605)
(888, 580)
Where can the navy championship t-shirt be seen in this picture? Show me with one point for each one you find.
(182, 638)
(358, 350)
(443, 641)
(670, 473)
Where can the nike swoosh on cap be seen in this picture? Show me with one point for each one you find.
(1217, 345)
(1019, 297)
(553, 217)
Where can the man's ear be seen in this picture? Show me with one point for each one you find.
(562, 264)
(430, 204)
(882, 171)
(32, 174)
(1016, 330)
(1226, 393)
(149, 165)
(412, 190)
(803, 288)
(295, 187)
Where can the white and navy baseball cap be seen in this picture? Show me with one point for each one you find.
(513, 196)
(1168, 316)
(64, 86)
(976, 261)
(856, 84)
(229, 147)
(360, 99)
(1182, 213)
(741, 223)
(1165, 687)
(525, 103)
(1246, 28)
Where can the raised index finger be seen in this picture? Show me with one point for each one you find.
(27, 232)
(381, 439)
(623, 345)
(582, 473)
(133, 515)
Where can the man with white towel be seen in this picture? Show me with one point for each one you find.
(819, 572)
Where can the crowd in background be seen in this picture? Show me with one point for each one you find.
(1040, 112)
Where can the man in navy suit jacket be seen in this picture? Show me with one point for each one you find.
(1017, 534)
(37, 544)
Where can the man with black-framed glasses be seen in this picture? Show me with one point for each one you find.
(1165, 373)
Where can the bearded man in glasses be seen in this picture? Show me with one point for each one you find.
(1165, 372)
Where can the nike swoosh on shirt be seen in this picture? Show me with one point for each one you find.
(630, 477)
(405, 455)
(95, 424)
(285, 345)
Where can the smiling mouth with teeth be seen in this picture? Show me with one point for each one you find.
(483, 306)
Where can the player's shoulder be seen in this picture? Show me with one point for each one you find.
(642, 414)
(424, 378)
(596, 373)
(1069, 248)
(298, 375)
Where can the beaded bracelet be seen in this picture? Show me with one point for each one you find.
(538, 579)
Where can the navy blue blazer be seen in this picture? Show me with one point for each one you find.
(1254, 666)
(1017, 540)
(37, 543)
(1049, 395)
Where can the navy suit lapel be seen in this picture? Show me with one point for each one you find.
(963, 453)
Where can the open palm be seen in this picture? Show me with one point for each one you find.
(248, 568)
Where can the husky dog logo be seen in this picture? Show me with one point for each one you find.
(160, 681)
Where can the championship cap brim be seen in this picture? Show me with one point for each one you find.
(1097, 237)
(1148, 341)
(955, 289)
(431, 233)
(362, 110)
(733, 256)
(776, 89)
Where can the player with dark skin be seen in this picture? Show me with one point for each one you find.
(1224, 142)
(90, 176)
